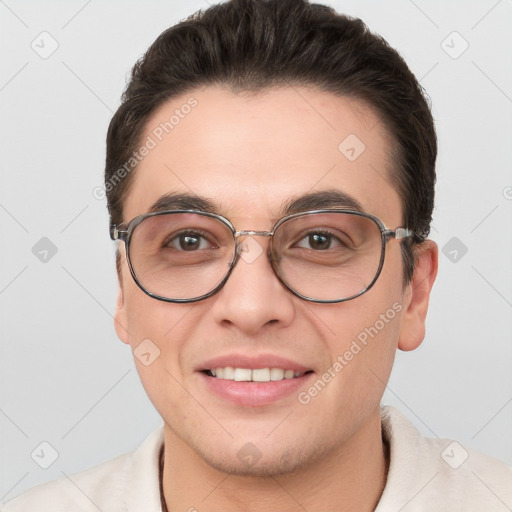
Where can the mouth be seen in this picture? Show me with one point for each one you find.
(254, 375)
(253, 380)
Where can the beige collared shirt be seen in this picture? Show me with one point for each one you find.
(424, 475)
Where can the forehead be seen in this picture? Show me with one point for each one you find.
(250, 154)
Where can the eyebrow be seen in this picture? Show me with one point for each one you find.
(322, 200)
(314, 201)
(183, 202)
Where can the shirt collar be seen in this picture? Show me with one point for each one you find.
(143, 475)
(143, 470)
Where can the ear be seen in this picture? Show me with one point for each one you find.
(121, 315)
(417, 294)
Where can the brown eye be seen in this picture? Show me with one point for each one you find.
(188, 242)
(318, 241)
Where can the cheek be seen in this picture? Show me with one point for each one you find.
(362, 335)
(155, 332)
(375, 315)
(361, 357)
(362, 341)
(366, 335)
(147, 317)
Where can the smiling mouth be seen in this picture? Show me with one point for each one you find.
(254, 375)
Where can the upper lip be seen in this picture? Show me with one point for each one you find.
(252, 362)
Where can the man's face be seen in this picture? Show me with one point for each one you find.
(249, 155)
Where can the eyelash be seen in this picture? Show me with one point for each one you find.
(194, 233)
(325, 232)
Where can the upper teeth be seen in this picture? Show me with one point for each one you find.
(256, 375)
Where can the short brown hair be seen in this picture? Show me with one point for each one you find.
(251, 45)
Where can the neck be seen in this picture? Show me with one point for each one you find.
(350, 478)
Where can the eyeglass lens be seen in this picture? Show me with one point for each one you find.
(323, 256)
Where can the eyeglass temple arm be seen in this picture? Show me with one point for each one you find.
(118, 234)
(401, 233)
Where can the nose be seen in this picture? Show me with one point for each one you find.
(253, 299)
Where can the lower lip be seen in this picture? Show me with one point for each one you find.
(253, 394)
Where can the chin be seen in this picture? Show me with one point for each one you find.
(271, 461)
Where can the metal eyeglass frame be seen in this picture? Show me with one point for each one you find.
(123, 232)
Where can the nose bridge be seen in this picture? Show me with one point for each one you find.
(249, 249)
(253, 297)
(246, 232)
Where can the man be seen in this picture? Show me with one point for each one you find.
(270, 180)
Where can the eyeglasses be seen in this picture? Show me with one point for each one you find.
(321, 255)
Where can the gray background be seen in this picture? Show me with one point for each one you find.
(65, 378)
